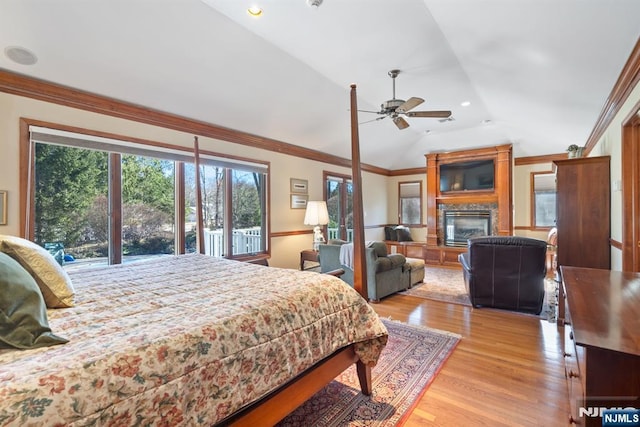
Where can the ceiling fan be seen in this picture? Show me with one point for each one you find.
(394, 108)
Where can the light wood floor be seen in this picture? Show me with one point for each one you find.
(507, 369)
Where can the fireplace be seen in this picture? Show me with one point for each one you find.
(462, 225)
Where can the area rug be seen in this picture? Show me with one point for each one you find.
(442, 284)
(409, 363)
(447, 284)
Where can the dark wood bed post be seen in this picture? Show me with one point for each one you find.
(359, 264)
(199, 223)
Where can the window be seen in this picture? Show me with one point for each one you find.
(543, 199)
(98, 219)
(410, 203)
(339, 198)
(239, 230)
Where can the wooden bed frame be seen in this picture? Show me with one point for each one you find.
(282, 401)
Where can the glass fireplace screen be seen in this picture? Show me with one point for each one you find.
(462, 225)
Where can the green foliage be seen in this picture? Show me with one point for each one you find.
(71, 200)
(246, 200)
(66, 182)
(148, 181)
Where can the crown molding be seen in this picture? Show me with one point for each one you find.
(627, 81)
(29, 87)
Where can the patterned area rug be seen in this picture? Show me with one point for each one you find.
(442, 284)
(409, 363)
(447, 284)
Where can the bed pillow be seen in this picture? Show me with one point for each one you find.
(23, 314)
(53, 281)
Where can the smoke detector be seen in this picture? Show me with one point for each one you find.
(314, 3)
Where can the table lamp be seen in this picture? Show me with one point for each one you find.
(316, 215)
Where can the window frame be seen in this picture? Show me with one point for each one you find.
(400, 198)
(27, 179)
(343, 181)
(532, 201)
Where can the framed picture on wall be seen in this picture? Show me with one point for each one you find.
(299, 186)
(3, 208)
(299, 201)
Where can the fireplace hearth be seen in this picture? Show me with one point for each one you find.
(461, 225)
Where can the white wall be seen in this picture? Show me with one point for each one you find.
(610, 144)
(285, 250)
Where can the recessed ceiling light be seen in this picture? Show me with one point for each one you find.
(255, 11)
(465, 103)
(20, 55)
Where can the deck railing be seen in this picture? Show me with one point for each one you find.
(244, 241)
(248, 240)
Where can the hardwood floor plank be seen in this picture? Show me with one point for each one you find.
(508, 368)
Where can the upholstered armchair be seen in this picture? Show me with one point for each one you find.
(386, 273)
(505, 272)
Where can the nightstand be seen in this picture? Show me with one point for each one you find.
(311, 256)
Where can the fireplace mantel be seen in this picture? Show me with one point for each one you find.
(500, 195)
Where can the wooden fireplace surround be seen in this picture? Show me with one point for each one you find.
(434, 251)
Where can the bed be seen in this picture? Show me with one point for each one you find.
(189, 340)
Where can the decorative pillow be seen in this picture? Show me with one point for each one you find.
(390, 233)
(54, 282)
(404, 235)
(23, 315)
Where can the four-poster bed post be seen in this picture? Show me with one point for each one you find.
(359, 264)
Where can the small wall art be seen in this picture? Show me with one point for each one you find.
(299, 186)
(299, 201)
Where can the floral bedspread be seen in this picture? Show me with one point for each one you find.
(184, 340)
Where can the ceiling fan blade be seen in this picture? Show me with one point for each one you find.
(411, 103)
(372, 120)
(369, 111)
(400, 122)
(443, 113)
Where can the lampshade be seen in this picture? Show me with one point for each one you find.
(316, 213)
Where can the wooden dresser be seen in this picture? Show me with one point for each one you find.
(601, 341)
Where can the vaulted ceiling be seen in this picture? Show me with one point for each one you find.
(536, 73)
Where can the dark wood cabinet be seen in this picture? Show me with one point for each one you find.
(601, 347)
(583, 212)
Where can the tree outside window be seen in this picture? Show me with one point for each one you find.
(72, 204)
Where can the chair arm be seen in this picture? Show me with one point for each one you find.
(464, 260)
(337, 272)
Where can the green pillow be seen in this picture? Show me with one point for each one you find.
(23, 314)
